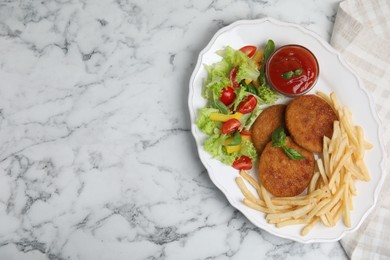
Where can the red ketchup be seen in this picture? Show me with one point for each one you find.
(292, 70)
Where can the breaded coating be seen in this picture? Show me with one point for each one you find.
(282, 176)
(270, 119)
(308, 119)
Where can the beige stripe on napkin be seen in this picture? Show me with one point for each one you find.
(362, 35)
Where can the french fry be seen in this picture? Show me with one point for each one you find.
(313, 182)
(345, 121)
(352, 187)
(317, 208)
(278, 220)
(318, 194)
(248, 195)
(333, 201)
(360, 138)
(256, 206)
(330, 219)
(335, 101)
(324, 220)
(341, 163)
(309, 226)
(338, 214)
(342, 147)
(336, 207)
(321, 193)
(336, 133)
(293, 202)
(322, 171)
(368, 146)
(330, 191)
(354, 171)
(350, 202)
(291, 214)
(291, 222)
(325, 155)
(347, 216)
(363, 168)
(326, 98)
(252, 181)
(267, 199)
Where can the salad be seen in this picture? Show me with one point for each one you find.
(236, 92)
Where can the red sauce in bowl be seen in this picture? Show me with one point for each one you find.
(292, 70)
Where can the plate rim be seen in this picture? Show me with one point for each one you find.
(373, 111)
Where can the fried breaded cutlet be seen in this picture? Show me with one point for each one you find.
(308, 119)
(270, 119)
(282, 176)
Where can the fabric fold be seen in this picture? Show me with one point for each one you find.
(361, 34)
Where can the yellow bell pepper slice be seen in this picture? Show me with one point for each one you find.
(231, 149)
(223, 118)
(258, 56)
(246, 138)
(235, 148)
(256, 83)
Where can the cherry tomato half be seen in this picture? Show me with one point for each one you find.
(227, 96)
(250, 50)
(232, 76)
(230, 126)
(242, 163)
(247, 105)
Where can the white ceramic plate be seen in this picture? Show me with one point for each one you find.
(335, 76)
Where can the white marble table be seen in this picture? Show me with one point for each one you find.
(96, 157)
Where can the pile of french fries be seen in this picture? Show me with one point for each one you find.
(330, 191)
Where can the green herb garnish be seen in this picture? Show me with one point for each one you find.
(279, 140)
(221, 106)
(236, 139)
(278, 137)
(268, 50)
(250, 88)
(298, 72)
(290, 74)
(293, 154)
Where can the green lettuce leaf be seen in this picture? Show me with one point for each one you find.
(268, 95)
(204, 123)
(215, 145)
(218, 73)
(250, 120)
(233, 57)
(241, 93)
(247, 70)
(248, 149)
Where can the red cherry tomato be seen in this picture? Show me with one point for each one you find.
(246, 132)
(247, 105)
(232, 76)
(242, 163)
(249, 50)
(227, 96)
(230, 126)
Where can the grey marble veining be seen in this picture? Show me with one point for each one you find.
(96, 157)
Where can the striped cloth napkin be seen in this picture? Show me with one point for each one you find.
(362, 35)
